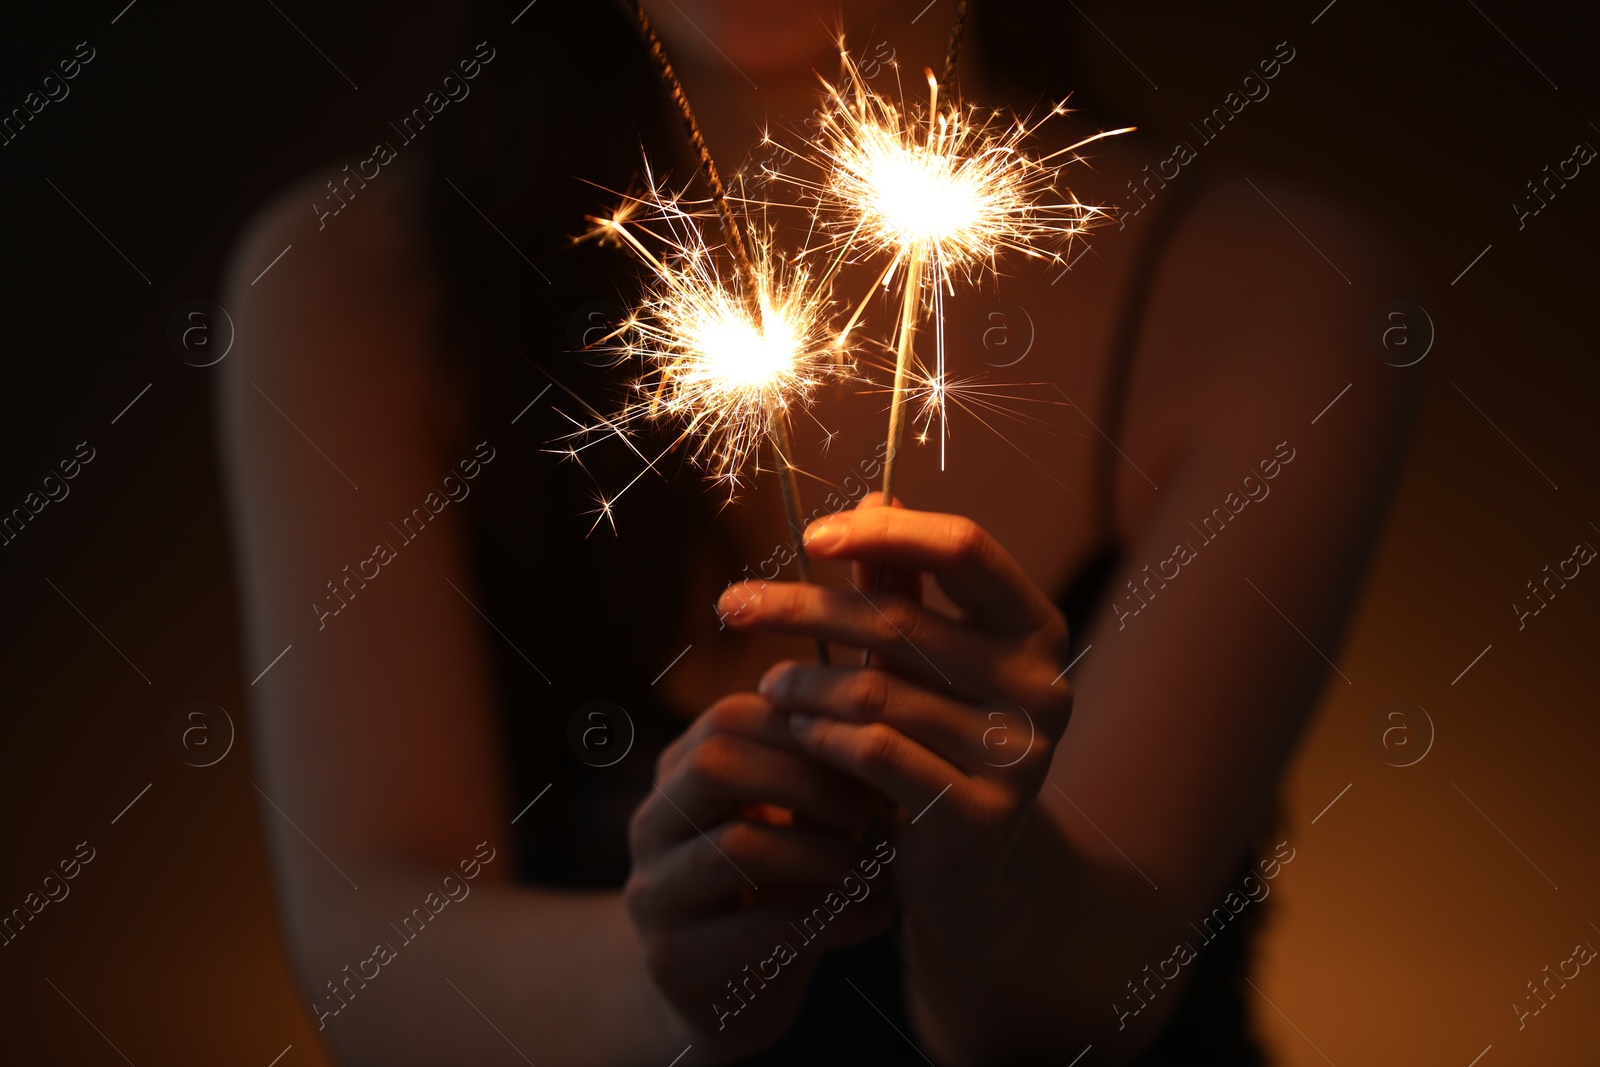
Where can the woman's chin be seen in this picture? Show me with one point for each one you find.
(759, 37)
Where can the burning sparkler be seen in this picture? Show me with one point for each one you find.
(728, 369)
(942, 193)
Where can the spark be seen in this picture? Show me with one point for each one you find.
(982, 400)
(725, 365)
(950, 181)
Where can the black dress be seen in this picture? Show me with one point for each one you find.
(588, 622)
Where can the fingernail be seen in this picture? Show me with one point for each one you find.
(801, 724)
(735, 600)
(769, 681)
(822, 534)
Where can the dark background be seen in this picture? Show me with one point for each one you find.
(1418, 905)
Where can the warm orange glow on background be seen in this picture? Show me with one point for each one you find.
(1427, 890)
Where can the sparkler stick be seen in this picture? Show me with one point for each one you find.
(902, 364)
(913, 286)
(910, 303)
(708, 164)
(953, 51)
(791, 507)
(749, 287)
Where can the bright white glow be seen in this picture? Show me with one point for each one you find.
(729, 354)
(917, 194)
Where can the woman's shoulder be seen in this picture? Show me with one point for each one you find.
(1274, 221)
(332, 236)
(1273, 280)
(1261, 313)
(335, 264)
(339, 305)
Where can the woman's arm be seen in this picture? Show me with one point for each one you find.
(1194, 689)
(375, 732)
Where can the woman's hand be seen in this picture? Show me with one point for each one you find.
(744, 834)
(957, 719)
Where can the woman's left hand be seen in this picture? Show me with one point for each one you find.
(957, 718)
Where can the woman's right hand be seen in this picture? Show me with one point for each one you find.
(743, 835)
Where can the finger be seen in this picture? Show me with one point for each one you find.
(710, 872)
(920, 643)
(744, 715)
(950, 729)
(882, 756)
(884, 577)
(718, 778)
(969, 565)
(878, 574)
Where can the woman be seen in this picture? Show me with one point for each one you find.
(684, 835)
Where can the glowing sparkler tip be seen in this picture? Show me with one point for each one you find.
(723, 362)
(957, 185)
